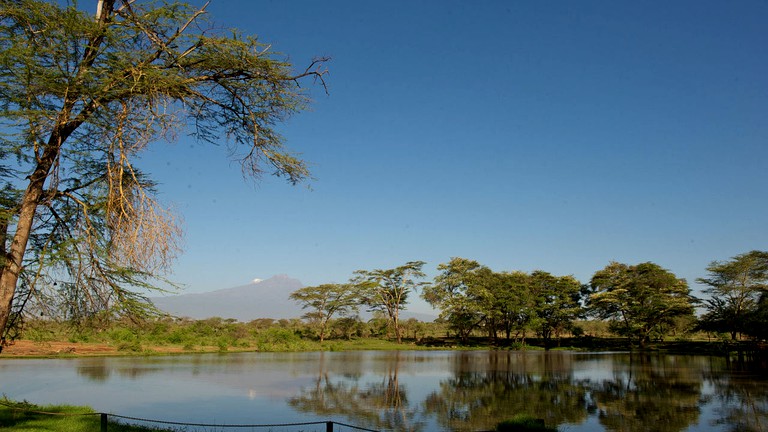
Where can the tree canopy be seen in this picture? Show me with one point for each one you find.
(325, 301)
(737, 290)
(80, 97)
(387, 290)
(639, 299)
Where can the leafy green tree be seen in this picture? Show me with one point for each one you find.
(515, 304)
(456, 291)
(387, 290)
(556, 303)
(639, 298)
(80, 98)
(325, 301)
(735, 287)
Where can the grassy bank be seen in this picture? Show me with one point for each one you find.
(24, 416)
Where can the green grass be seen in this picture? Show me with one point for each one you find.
(27, 417)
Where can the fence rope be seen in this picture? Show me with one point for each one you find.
(355, 427)
(19, 407)
(215, 425)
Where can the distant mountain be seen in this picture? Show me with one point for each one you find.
(259, 299)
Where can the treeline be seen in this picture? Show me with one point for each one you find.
(171, 334)
(641, 302)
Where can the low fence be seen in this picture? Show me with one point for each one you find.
(330, 426)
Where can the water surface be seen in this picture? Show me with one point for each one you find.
(408, 390)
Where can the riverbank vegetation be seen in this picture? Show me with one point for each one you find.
(178, 335)
(641, 306)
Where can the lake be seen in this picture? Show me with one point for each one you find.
(408, 390)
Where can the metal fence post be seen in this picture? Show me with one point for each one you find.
(329, 426)
(103, 422)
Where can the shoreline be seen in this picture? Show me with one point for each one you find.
(25, 348)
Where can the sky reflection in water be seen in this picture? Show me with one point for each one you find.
(412, 390)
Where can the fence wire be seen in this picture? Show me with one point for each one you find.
(329, 424)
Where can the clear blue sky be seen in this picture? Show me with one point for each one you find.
(550, 135)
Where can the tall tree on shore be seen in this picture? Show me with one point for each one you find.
(556, 303)
(387, 290)
(80, 98)
(325, 301)
(735, 288)
(638, 299)
(455, 292)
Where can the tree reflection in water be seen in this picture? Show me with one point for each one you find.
(743, 397)
(486, 391)
(659, 390)
(621, 392)
(378, 405)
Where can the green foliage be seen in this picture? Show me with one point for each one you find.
(24, 416)
(325, 301)
(125, 339)
(639, 300)
(80, 98)
(470, 296)
(736, 289)
(556, 303)
(279, 339)
(459, 292)
(387, 290)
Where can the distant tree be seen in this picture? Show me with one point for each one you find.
(515, 303)
(414, 328)
(387, 290)
(735, 288)
(556, 303)
(347, 327)
(325, 301)
(638, 299)
(457, 292)
(80, 98)
(757, 321)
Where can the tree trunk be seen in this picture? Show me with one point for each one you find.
(14, 258)
(396, 324)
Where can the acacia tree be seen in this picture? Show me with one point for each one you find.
(735, 288)
(638, 299)
(80, 98)
(556, 303)
(387, 290)
(515, 304)
(326, 301)
(455, 292)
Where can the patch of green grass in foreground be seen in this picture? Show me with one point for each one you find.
(27, 417)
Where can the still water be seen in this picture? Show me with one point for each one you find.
(409, 390)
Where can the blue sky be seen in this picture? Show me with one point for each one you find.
(546, 135)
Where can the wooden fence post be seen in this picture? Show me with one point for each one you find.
(103, 422)
(329, 426)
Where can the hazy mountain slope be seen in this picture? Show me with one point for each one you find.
(259, 299)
